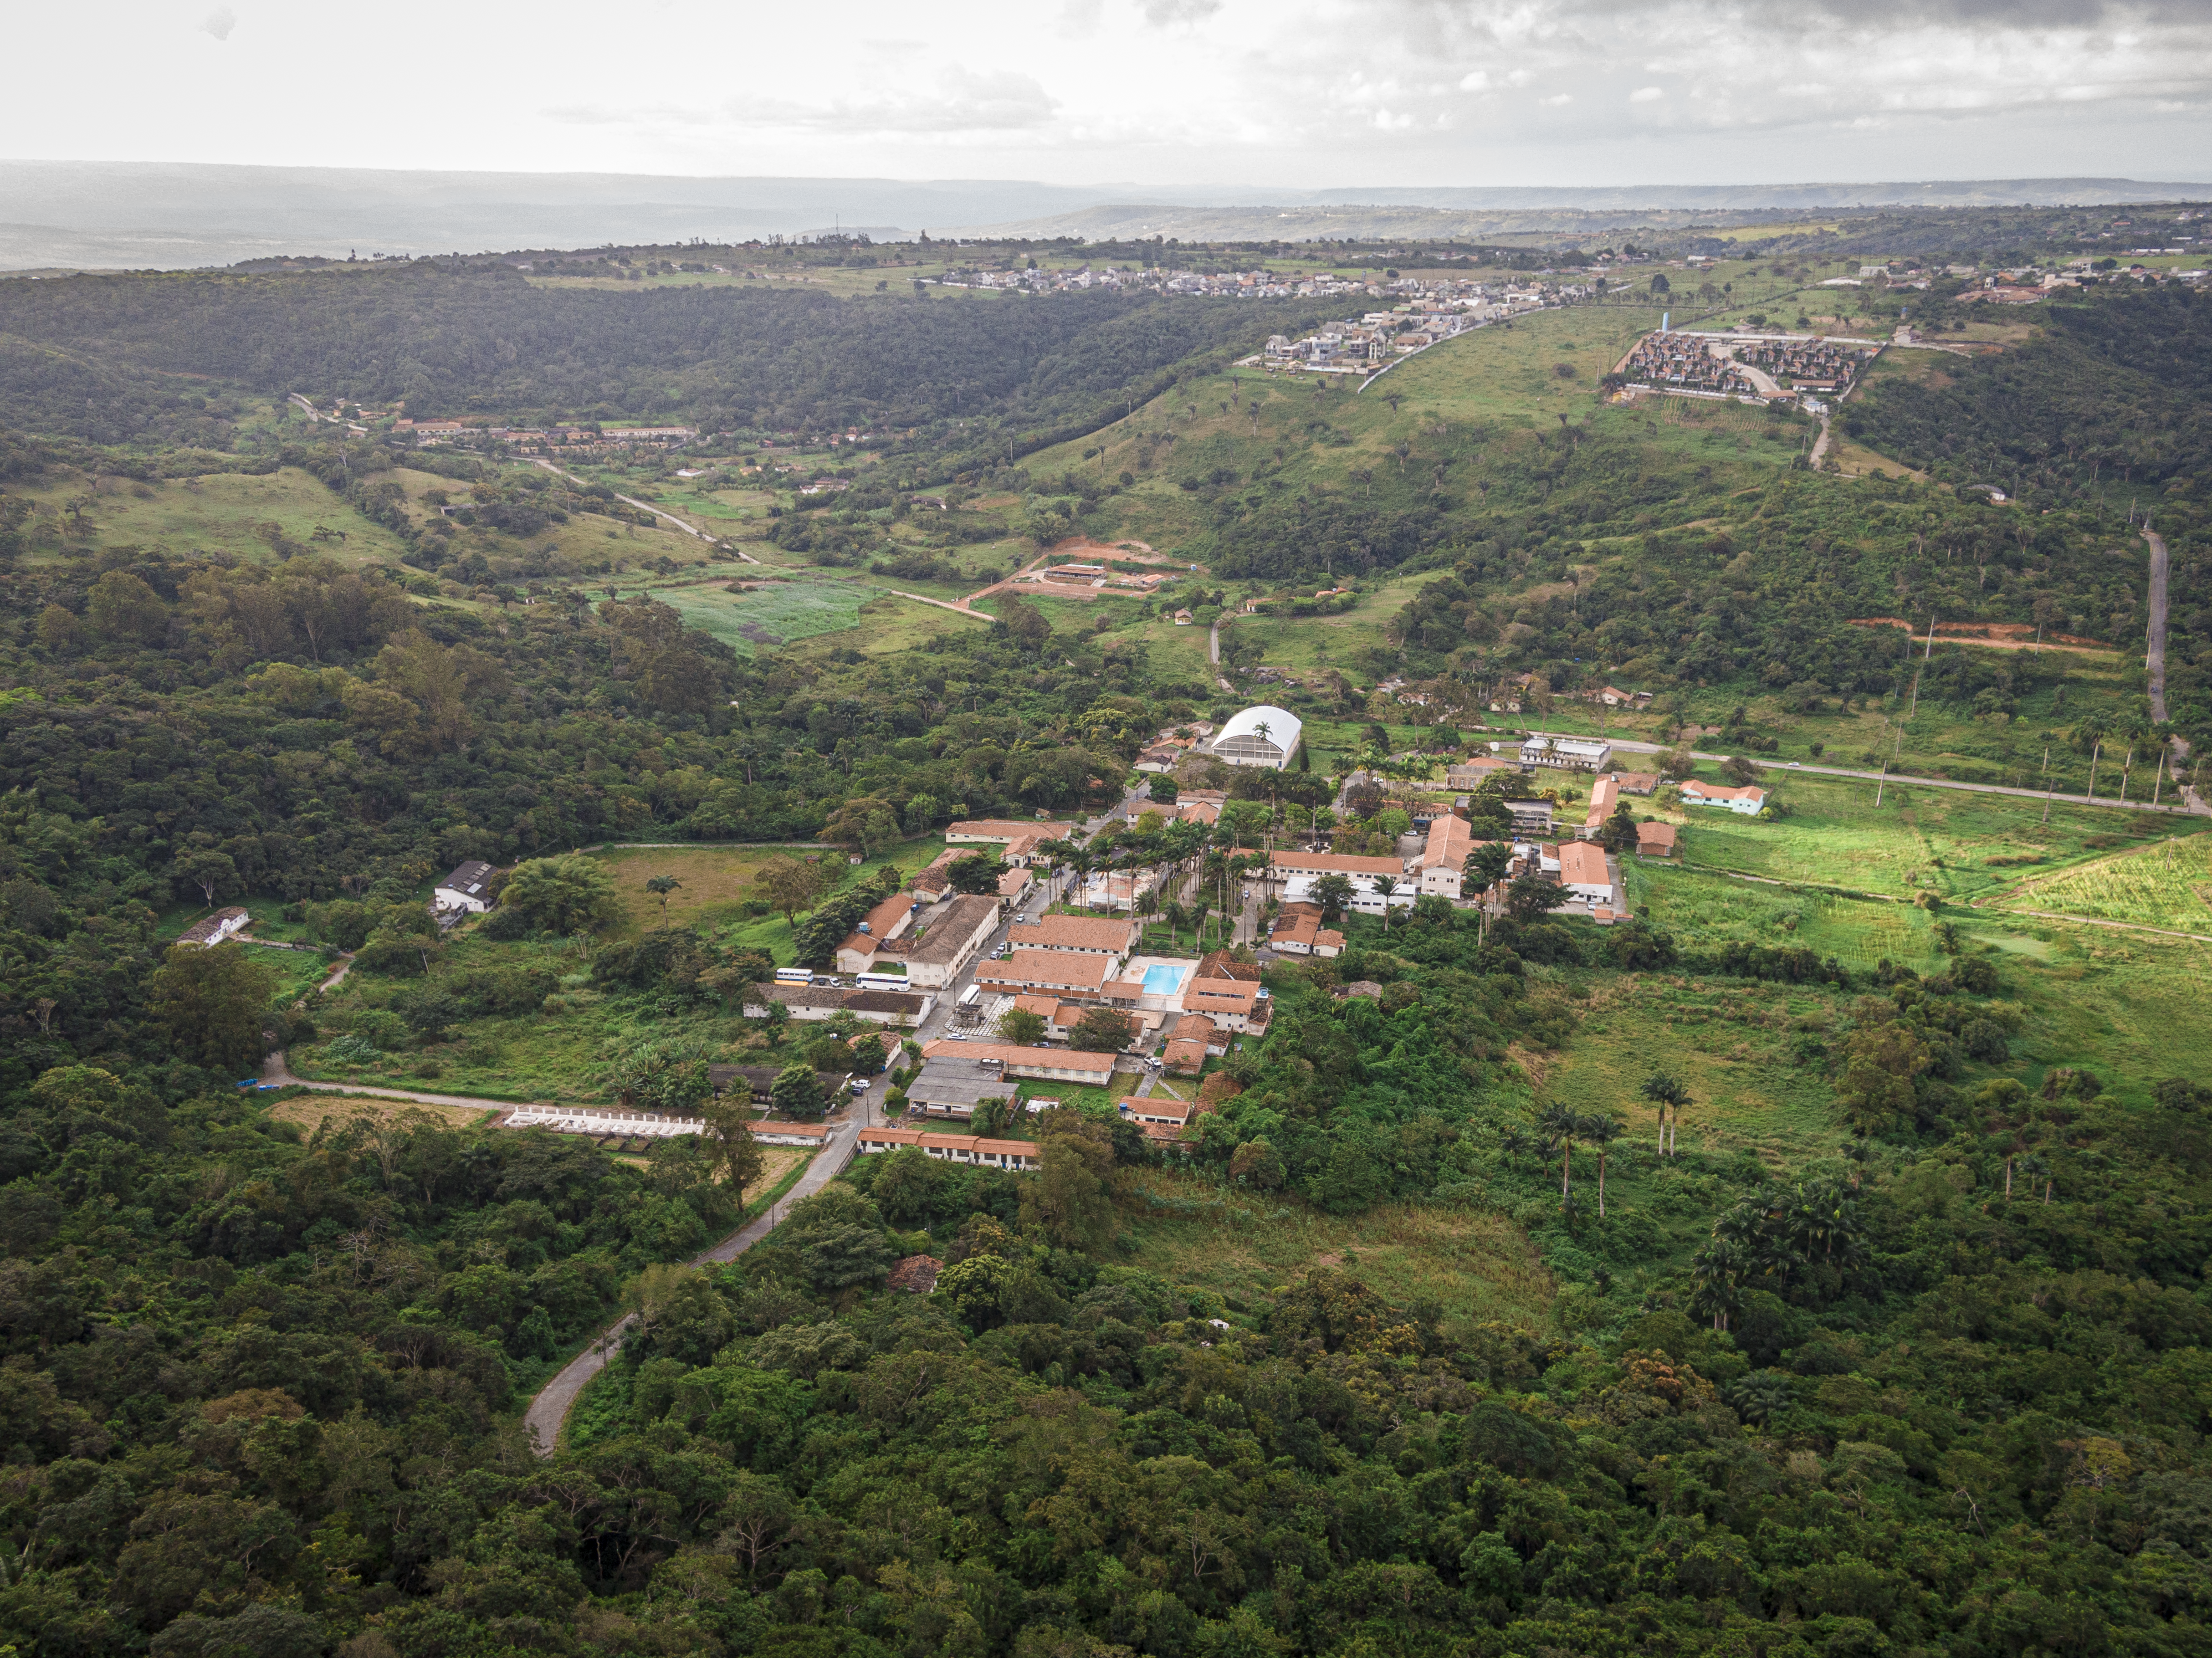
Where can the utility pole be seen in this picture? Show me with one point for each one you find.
(2046, 782)
(2094, 753)
(1882, 782)
(2124, 766)
(2158, 777)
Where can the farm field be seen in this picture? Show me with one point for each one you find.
(2167, 885)
(1917, 840)
(769, 614)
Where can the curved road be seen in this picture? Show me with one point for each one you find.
(648, 507)
(551, 1408)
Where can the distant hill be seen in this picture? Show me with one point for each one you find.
(141, 215)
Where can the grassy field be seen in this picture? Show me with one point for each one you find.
(1931, 740)
(1947, 842)
(2168, 884)
(226, 512)
(717, 884)
(770, 614)
(2128, 1004)
(315, 1111)
(1240, 1245)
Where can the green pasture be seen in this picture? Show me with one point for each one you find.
(1954, 843)
(775, 612)
(2167, 884)
(221, 513)
(2129, 1004)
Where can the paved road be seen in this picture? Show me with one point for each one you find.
(1901, 780)
(549, 1409)
(2155, 663)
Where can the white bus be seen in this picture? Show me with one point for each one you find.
(881, 980)
(793, 976)
(970, 996)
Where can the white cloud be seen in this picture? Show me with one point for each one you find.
(1162, 13)
(965, 101)
(1220, 92)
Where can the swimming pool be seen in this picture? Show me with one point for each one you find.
(1165, 979)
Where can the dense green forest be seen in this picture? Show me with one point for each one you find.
(110, 358)
(1922, 1370)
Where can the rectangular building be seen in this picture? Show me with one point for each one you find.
(1567, 753)
(1063, 972)
(953, 935)
(1044, 1064)
(1087, 935)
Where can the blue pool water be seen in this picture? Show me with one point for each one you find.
(1163, 979)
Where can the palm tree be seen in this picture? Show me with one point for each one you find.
(1599, 1131)
(1663, 1091)
(1715, 1292)
(1386, 884)
(662, 885)
(1560, 1126)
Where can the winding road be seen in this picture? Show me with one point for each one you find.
(551, 1408)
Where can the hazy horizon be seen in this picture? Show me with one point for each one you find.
(1181, 92)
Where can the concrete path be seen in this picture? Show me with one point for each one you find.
(549, 1409)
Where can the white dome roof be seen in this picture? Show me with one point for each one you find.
(1283, 726)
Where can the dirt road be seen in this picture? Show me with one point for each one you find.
(275, 1070)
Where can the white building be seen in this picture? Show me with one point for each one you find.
(1745, 802)
(466, 888)
(1571, 753)
(1263, 735)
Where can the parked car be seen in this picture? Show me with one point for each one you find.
(861, 1085)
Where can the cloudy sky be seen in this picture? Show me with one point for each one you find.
(1311, 93)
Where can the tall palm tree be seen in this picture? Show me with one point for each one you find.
(1599, 1131)
(1669, 1096)
(1386, 884)
(1560, 1126)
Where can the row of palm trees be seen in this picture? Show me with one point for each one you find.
(1209, 853)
